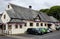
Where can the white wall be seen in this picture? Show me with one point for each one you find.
(34, 24)
(53, 26)
(18, 30)
(24, 28)
(7, 18)
(9, 7)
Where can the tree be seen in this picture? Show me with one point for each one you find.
(53, 11)
(44, 10)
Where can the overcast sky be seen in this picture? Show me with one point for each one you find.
(36, 4)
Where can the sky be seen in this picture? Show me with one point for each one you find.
(36, 4)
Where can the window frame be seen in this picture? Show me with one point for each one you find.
(8, 6)
(9, 26)
(41, 24)
(45, 24)
(4, 16)
(25, 24)
(20, 26)
(37, 24)
(31, 24)
(16, 26)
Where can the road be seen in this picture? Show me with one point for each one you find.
(53, 35)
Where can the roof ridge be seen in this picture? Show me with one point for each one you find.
(21, 6)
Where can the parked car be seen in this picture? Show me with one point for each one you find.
(57, 27)
(49, 30)
(33, 31)
(43, 30)
(39, 31)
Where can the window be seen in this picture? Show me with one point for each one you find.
(41, 24)
(37, 24)
(16, 26)
(4, 27)
(8, 6)
(9, 26)
(31, 24)
(45, 24)
(25, 24)
(20, 26)
(4, 16)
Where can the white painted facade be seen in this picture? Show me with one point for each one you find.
(7, 18)
(23, 29)
(53, 26)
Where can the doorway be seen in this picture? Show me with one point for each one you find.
(1, 27)
(49, 25)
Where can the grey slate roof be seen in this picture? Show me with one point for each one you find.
(44, 17)
(11, 13)
(53, 19)
(25, 13)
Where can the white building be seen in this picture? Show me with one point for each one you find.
(17, 19)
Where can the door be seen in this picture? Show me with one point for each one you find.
(1, 29)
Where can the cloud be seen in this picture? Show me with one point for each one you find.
(7, 0)
(36, 4)
(3, 5)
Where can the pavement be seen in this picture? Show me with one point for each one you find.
(5, 37)
(53, 35)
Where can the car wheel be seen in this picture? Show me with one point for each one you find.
(42, 33)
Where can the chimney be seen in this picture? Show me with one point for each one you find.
(30, 6)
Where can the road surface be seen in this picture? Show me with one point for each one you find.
(53, 35)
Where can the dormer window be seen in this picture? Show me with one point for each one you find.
(4, 16)
(37, 18)
(8, 6)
